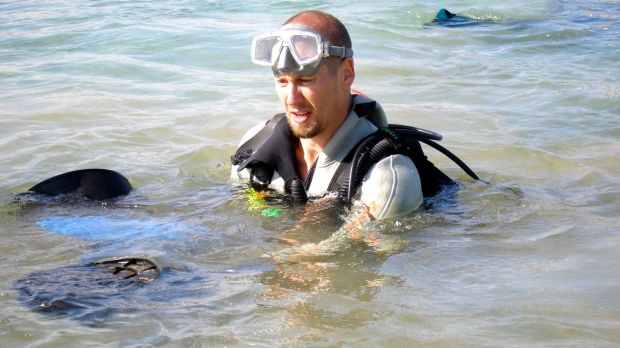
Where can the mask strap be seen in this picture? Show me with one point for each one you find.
(339, 51)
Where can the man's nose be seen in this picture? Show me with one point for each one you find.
(294, 96)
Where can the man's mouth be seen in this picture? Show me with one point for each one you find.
(300, 117)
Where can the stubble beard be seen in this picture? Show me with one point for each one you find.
(305, 131)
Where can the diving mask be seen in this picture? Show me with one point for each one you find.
(294, 49)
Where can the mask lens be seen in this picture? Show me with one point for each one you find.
(266, 50)
(306, 48)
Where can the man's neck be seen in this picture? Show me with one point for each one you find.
(309, 149)
(306, 153)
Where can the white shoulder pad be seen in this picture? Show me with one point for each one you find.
(392, 187)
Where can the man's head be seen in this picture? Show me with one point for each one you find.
(329, 27)
(317, 98)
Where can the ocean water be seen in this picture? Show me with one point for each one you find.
(529, 97)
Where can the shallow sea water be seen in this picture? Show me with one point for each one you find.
(162, 92)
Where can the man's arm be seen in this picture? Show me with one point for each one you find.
(391, 188)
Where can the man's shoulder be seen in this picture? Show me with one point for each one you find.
(250, 133)
(390, 162)
(392, 187)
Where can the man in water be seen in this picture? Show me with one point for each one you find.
(311, 58)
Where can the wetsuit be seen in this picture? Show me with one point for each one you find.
(392, 186)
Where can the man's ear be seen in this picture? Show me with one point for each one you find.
(348, 72)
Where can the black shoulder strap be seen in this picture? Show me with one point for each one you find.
(363, 109)
(340, 180)
(377, 146)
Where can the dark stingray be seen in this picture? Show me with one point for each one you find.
(86, 290)
(96, 184)
(449, 19)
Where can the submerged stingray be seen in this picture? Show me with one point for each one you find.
(77, 289)
(97, 292)
(83, 289)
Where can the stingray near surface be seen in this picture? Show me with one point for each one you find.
(85, 290)
(97, 184)
(97, 293)
(85, 192)
(94, 290)
(449, 19)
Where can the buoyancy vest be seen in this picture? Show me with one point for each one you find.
(387, 141)
(272, 150)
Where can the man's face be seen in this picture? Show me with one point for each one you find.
(310, 102)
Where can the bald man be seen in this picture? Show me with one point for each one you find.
(300, 152)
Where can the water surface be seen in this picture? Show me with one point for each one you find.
(162, 92)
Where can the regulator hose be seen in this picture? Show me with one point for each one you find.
(385, 142)
(363, 160)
